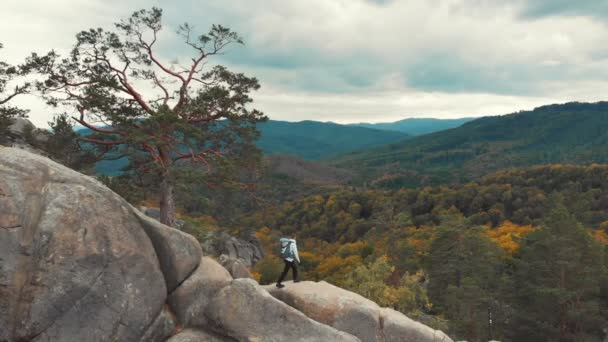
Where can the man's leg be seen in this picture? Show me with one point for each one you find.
(294, 267)
(282, 277)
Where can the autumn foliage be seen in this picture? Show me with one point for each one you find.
(508, 235)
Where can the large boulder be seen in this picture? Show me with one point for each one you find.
(191, 299)
(245, 311)
(76, 261)
(191, 335)
(178, 253)
(236, 267)
(217, 243)
(352, 313)
(399, 327)
(21, 133)
(163, 326)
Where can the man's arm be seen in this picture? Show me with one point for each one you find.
(295, 252)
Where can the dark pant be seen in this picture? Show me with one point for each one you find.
(289, 264)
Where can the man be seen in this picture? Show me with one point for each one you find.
(289, 253)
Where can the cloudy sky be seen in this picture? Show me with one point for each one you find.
(364, 60)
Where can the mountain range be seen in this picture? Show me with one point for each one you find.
(561, 133)
(416, 126)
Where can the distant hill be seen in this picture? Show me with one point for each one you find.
(287, 178)
(567, 133)
(311, 140)
(307, 171)
(417, 126)
(317, 140)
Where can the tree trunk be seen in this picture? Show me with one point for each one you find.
(167, 204)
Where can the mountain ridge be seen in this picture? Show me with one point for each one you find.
(319, 140)
(573, 132)
(416, 126)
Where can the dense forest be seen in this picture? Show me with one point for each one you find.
(526, 248)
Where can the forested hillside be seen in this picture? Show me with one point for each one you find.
(526, 247)
(317, 140)
(568, 133)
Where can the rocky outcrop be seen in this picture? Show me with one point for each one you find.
(241, 309)
(22, 134)
(399, 327)
(191, 335)
(191, 299)
(178, 253)
(217, 243)
(352, 313)
(164, 325)
(68, 270)
(236, 267)
(249, 250)
(78, 263)
(246, 312)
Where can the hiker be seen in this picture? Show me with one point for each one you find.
(289, 253)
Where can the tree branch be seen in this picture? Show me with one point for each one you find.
(103, 142)
(161, 86)
(18, 91)
(148, 48)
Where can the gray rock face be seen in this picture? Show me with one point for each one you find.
(236, 267)
(178, 253)
(399, 327)
(190, 335)
(352, 313)
(218, 243)
(19, 125)
(64, 268)
(16, 136)
(191, 299)
(248, 251)
(162, 327)
(68, 270)
(243, 310)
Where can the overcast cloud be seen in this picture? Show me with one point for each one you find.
(364, 60)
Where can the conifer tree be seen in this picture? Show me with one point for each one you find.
(137, 103)
(557, 283)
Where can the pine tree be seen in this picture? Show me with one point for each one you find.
(192, 112)
(557, 283)
(464, 268)
(64, 146)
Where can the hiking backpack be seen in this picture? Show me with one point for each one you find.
(286, 251)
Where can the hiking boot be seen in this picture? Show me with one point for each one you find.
(280, 286)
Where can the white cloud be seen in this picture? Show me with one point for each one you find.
(356, 60)
(391, 106)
